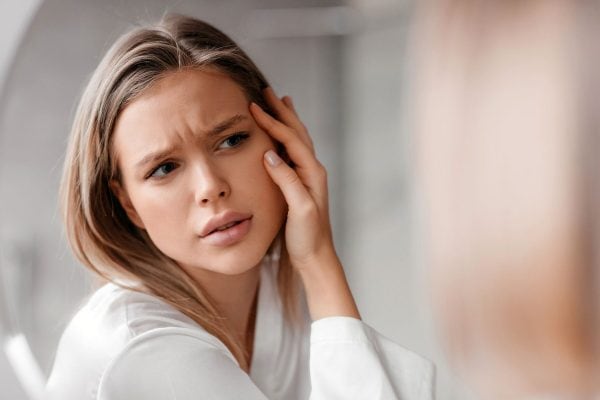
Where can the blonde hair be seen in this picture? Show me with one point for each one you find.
(99, 231)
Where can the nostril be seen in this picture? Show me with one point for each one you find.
(222, 194)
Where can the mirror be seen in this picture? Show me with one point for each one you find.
(344, 62)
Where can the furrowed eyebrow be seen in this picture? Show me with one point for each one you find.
(215, 131)
(228, 123)
(152, 157)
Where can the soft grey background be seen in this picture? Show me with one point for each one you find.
(345, 65)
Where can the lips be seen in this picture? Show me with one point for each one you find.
(229, 236)
(223, 222)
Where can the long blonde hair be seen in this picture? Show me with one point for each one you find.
(99, 231)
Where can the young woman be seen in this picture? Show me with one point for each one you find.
(195, 193)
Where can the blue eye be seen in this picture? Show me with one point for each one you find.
(234, 140)
(163, 170)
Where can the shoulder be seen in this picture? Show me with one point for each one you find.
(112, 322)
(118, 315)
(163, 362)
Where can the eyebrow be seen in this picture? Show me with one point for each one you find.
(223, 126)
(215, 131)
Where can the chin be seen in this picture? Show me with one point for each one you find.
(233, 268)
(236, 261)
(242, 257)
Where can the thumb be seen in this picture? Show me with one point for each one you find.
(287, 179)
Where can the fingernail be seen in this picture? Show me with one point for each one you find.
(255, 106)
(272, 158)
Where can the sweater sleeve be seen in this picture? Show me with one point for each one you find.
(350, 360)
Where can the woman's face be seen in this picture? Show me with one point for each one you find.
(191, 162)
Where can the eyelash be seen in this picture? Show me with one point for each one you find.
(152, 173)
(241, 138)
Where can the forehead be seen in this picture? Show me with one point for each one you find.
(206, 94)
(183, 104)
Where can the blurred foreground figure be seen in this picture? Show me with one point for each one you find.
(505, 105)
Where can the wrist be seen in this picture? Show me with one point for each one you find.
(323, 260)
(327, 291)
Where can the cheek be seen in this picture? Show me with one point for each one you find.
(160, 209)
(272, 198)
(256, 184)
(274, 203)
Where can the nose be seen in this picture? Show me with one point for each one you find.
(210, 185)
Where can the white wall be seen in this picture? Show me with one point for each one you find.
(16, 17)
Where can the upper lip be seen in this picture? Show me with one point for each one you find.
(223, 219)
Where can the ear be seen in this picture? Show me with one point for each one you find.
(121, 194)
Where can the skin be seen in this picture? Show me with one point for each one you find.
(201, 175)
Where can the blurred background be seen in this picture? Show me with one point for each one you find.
(345, 64)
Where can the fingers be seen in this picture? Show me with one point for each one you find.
(294, 191)
(298, 151)
(287, 100)
(298, 194)
(286, 113)
(312, 175)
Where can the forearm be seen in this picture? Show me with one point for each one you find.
(326, 287)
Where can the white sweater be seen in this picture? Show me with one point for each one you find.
(124, 345)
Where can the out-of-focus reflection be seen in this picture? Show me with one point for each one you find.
(25, 366)
(13, 342)
(503, 143)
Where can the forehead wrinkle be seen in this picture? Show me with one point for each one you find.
(214, 131)
(156, 155)
(225, 125)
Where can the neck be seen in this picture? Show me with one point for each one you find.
(235, 297)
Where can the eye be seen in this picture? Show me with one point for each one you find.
(234, 140)
(162, 170)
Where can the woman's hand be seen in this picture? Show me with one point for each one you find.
(308, 231)
(308, 235)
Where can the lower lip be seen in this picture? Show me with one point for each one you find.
(229, 236)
